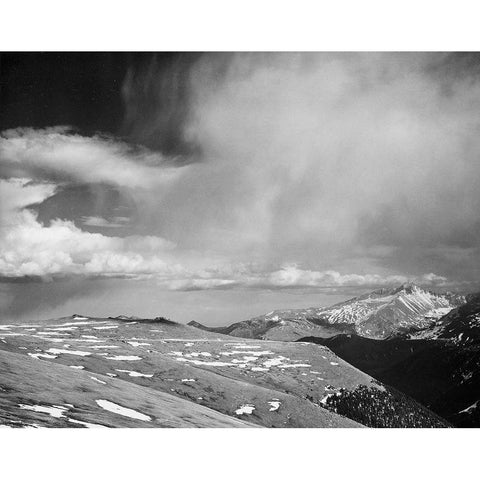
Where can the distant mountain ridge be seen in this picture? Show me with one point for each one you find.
(439, 365)
(379, 314)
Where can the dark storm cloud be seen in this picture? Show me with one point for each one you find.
(156, 96)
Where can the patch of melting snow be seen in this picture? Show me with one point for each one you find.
(296, 365)
(189, 344)
(260, 369)
(89, 336)
(85, 340)
(106, 327)
(95, 379)
(324, 400)
(333, 363)
(138, 344)
(77, 367)
(70, 352)
(176, 353)
(86, 424)
(62, 329)
(55, 411)
(274, 405)
(243, 352)
(41, 355)
(274, 362)
(125, 357)
(112, 375)
(135, 374)
(210, 364)
(185, 380)
(124, 411)
(248, 359)
(70, 324)
(470, 408)
(245, 409)
(96, 347)
(248, 346)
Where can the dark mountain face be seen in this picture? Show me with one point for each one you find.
(440, 370)
(379, 314)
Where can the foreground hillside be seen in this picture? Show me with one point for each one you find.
(379, 314)
(438, 365)
(80, 371)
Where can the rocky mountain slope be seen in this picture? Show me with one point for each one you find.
(379, 314)
(84, 372)
(438, 365)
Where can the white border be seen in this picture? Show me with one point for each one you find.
(238, 454)
(243, 25)
(247, 25)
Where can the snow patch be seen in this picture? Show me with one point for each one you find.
(124, 357)
(245, 409)
(274, 405)
(54, 411)
(137, 344)
(135, 374)
(124, 411)
(95, 379)
(41, 355)
(70, 352)
(86, 424)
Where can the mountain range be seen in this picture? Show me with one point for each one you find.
(379, 314)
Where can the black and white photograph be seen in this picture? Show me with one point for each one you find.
(239, 239)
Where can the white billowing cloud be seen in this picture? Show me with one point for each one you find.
(292, 276)
(28, 248)
(58, 154)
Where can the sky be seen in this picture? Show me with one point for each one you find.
(219, 186)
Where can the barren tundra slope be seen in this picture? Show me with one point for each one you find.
(92, 369)
(41, 393)
(143, 365)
